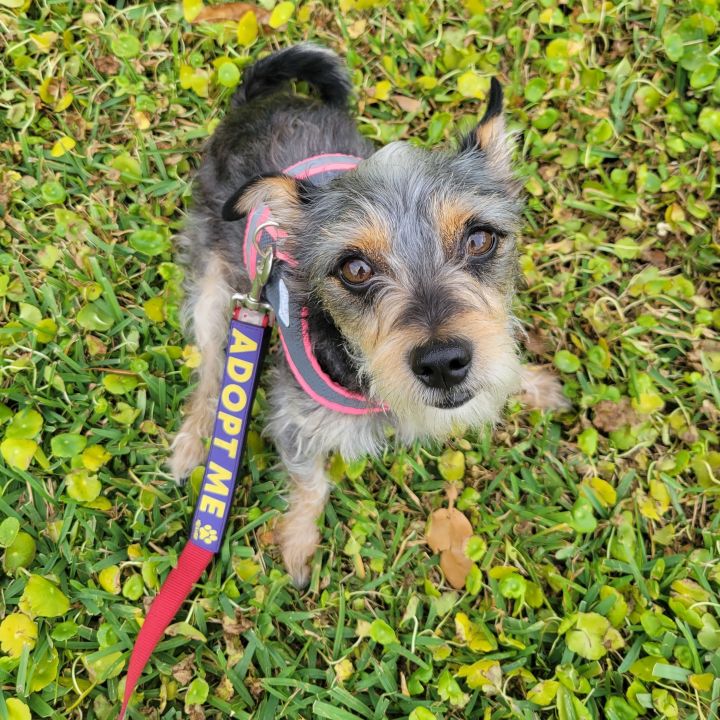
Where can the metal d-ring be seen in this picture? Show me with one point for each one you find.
(263, 268)
(258, 230)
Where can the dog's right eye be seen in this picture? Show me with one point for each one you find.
(356, 271)
(481, 241)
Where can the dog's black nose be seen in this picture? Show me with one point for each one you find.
(441, 364)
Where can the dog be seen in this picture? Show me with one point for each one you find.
(404, 264)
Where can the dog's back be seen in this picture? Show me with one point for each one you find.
(268, 127)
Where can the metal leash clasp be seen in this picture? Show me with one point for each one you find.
(251, 300)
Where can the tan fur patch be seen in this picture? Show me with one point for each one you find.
(490, 337)
(476, 296)
(372, 240)
(367, 233)
(451, 217)
(372, 330)
(390, 358)
(540, 388)
(490, 132)
(494, 140)
(278, 193)
(484, 322)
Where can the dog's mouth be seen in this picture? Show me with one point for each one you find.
(453, 401)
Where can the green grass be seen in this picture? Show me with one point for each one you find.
(596, 551)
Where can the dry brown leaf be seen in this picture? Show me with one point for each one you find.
(437, 534)
(403, 685)
(548, 172)
(609, 415)
(447, 528)
(234, 650)
(710, 410)
(255, 687)
(225, 690)
(448, 533)
(230, 11)
(407, 104)
(536, 342)
(456, 566)
(599, 113)
(655, 257)
(237, 625)
(357, 28)
(184, 671)
(107, 64)
(195, 712)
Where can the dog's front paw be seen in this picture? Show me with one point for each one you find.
(299, 572)
(297, 550)
(188, 452)
(540, 388)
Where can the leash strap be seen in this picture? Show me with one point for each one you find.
(247, 342)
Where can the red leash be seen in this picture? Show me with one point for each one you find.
(247, 341)
(191, 565)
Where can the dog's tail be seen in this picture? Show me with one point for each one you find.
(318, 66)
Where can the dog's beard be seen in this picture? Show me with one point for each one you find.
(416, 407)
(419, 420)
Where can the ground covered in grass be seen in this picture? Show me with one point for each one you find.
(595, 587)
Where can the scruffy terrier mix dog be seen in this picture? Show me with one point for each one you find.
(405, 265)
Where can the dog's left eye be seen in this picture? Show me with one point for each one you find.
(481, 241)
(356, 271)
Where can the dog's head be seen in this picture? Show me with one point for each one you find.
(412, 257)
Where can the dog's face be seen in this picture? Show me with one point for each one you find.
(412, 255)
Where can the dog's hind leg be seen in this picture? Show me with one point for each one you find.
(540, 388)
(206, 314)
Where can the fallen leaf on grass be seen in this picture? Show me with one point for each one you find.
(609, 415)
(107, 64)
(232, 627)
(407, 104)
(448, 533)
(186, 630)
(230, 11)
(456, 567)
(536, 342)
(448, 528)
(184, 671)
(195, 712)
(655, 257)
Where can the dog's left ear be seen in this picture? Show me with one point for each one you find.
(283, 194)
(490, 136)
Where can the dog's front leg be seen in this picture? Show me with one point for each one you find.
(297, 533)
(207, 313)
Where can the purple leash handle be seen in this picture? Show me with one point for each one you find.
(247, 343)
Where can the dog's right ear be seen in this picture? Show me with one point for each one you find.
(490, 136)
(282, 193)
